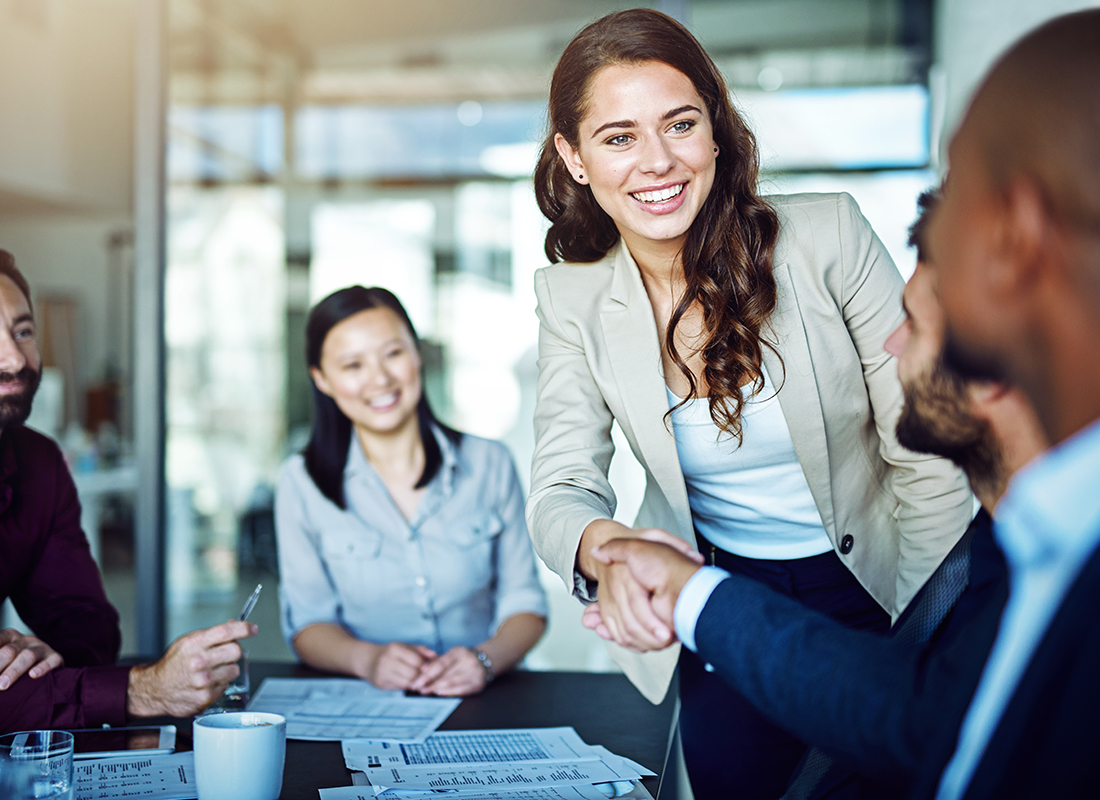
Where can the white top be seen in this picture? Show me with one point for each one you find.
(752, 500)
(1048, 525)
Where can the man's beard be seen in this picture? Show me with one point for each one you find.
(16, 407)
(936, 419)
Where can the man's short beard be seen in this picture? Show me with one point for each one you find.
(15, 408)
(936, 420)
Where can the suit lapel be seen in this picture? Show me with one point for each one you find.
(634, 355)
(799, 395)
(1050, 717)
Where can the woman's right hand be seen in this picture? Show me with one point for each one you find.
(625, 604)
(396, 665)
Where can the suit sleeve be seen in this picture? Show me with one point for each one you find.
(876, 705)
(573, 447)
(934, 502)
(62, 598)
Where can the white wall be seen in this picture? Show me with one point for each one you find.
(66, 160)
(972, 34)
(66, 81)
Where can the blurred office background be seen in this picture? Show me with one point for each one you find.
(182, 179)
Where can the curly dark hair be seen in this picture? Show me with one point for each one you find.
(727, 254)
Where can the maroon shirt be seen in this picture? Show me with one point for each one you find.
(46, 568)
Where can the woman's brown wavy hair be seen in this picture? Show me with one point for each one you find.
(727, 254)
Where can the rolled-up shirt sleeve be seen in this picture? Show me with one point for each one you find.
(518, 589)
(306, 592)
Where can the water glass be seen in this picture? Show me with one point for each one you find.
(36, 764)
(237, 692)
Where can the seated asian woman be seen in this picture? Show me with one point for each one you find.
(403, 550)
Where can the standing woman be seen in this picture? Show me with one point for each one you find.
(403, 552)
(737, 341)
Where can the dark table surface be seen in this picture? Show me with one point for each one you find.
(603, 708)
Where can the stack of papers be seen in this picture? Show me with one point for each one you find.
(333, 709)
(161, 776)
(521, 764)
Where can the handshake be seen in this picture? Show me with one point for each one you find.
(639, 578)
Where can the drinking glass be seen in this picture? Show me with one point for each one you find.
(237, 692)
(36, 764)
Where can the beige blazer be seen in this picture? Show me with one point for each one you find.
(839, 298)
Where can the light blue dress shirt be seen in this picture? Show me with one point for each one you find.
(448, 578)
(1048, 524)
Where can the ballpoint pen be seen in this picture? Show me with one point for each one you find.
(250, 603)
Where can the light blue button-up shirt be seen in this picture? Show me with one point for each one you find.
(1048, 525)
(448, 578)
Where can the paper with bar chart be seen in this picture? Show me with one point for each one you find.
(486, 763)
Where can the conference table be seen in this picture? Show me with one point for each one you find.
(604, 709)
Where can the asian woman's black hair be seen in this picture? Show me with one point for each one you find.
(327, 452)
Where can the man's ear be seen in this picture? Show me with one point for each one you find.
(984, 394)
(571, 158)
(1023, 234)
(319, 381)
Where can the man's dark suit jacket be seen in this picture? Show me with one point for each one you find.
(876, 705)
(1048, 740)
(47, 569)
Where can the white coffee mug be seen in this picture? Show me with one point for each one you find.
(239, 755)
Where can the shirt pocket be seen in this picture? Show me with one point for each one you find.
(476, 530)
(352, 560)
(350, 544)
(471, 541)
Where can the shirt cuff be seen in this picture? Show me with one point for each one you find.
(104, 696)
(693, 598)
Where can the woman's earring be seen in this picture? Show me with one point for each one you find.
(580, 176)
(716, 151)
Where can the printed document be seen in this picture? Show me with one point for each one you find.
(472, 747)
(487, 762)
(330, 709)
(587, 792)
(165, 776)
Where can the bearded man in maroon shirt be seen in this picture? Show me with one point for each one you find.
(64, 676)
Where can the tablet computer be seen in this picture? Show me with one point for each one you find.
(104, 742)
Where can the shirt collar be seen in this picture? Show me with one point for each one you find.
(1052, 506)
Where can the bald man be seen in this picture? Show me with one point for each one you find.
(1016, 243)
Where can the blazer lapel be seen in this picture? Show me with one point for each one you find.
(799, 394)
(634, 355)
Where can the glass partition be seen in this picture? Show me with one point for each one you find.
(299, 165)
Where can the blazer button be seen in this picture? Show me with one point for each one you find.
(846, 544)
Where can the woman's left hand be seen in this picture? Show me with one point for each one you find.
(456, 673)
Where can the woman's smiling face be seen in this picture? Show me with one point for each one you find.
(646, 149)
(371, 368)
